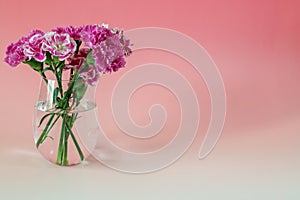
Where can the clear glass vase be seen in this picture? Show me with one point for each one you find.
(65, 120)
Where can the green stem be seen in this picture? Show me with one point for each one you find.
(65, 154)
(66, 131)
(61, 142)
(70, 88)
(67, 121)
(44, 76)
(59, 81)
(75, 142)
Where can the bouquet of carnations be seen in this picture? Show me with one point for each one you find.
(76, 55)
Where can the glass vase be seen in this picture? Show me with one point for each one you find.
(65, 120)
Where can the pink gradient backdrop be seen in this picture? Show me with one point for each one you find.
(255, 44)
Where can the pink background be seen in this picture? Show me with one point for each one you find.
(256, 46)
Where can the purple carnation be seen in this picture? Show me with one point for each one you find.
(34, 32)
(33, 46)
(15, 54)
(93, 35)
(106, 52)
(125, 43)
(60, 45)
(108, 46)
(117, 64)
(74, 32)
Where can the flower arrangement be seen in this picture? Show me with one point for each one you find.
(83, 53)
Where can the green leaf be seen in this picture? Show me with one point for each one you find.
(89, 59)
(56, 60)
(48, 58)
(45, 131)
(80, 87)
(35, 65)
(46, 69)
(43, 118)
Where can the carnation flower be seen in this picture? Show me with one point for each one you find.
(76, 60)
(93, 35)
(74, 32)
(125, 43)
(117, 64)
(33, 46)
(106, 53)
(107, 46)
(60, 45)
(15, 53)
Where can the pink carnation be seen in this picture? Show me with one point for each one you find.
(106, 53)
(108, 46)
(93, 35)
(33, 46)
(74, 32)
(117, 64)
(125, 43)
(15, 53)
(60, 45)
